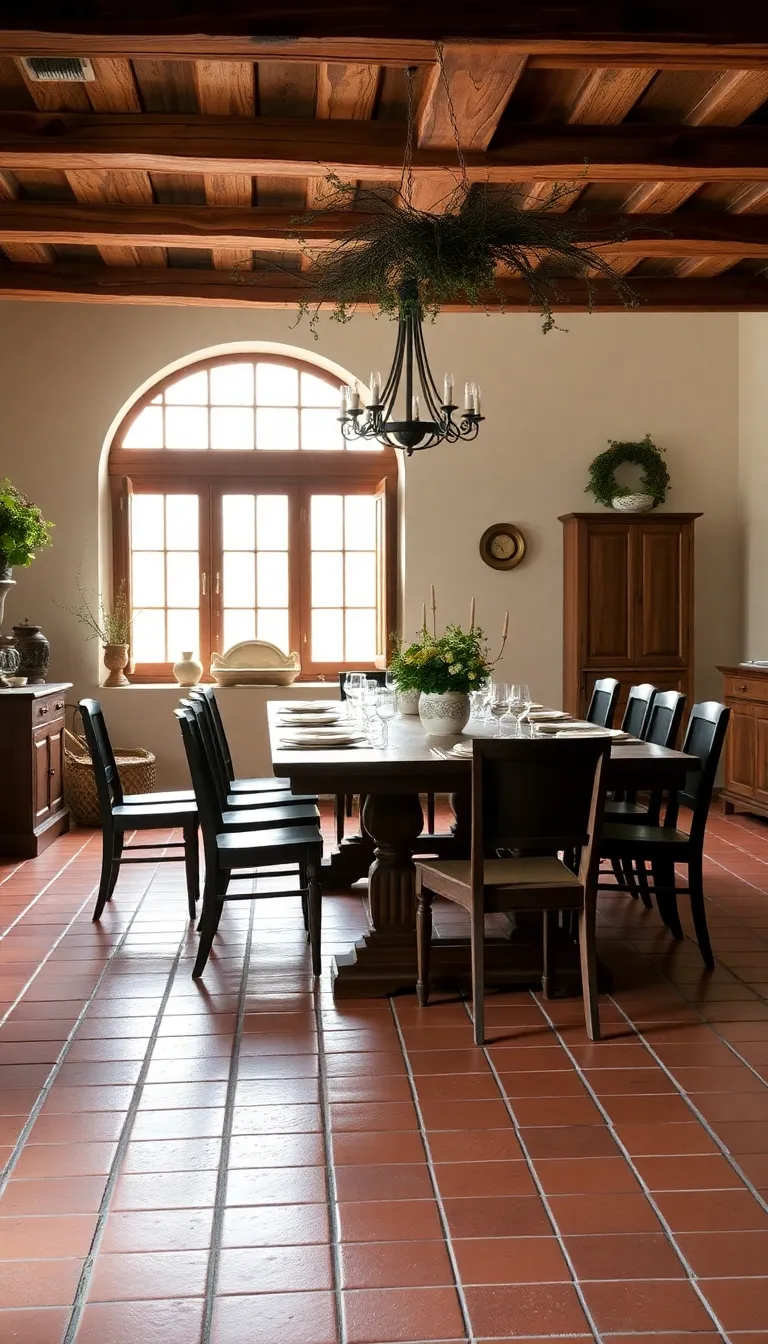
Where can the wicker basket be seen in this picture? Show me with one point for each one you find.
(135, 766)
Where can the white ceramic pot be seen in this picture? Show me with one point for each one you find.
(444, 715)
(188, 670)
(408, 702)
(632, 503)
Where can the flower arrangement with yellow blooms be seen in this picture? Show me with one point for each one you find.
(457, 660)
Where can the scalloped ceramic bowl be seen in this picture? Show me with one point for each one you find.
(255, 662)
(632, 503)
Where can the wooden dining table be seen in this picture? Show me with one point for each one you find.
(389, 782)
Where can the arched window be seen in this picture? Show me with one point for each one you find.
(240, 512)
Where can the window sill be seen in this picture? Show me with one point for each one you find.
(298, 687)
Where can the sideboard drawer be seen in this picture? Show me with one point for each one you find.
(746, 688)
(44, 710)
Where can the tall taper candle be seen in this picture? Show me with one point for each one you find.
(472, 614)
(506, 625)
(423, 615)
(434, 609)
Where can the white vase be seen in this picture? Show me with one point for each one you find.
(408, 702)
(632, 503)
(188, 670)
(444, 715)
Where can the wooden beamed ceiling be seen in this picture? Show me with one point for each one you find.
(179, 173)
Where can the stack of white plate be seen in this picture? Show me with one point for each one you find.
(323, 736)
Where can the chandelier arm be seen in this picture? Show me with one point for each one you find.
(430, 393)
(389, 393)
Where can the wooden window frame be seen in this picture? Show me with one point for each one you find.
(213, 472)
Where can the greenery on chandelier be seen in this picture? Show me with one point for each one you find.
(455, 661)
(23, 529)
(654, 479)
(457, 254)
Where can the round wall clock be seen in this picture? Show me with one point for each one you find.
(502, 546)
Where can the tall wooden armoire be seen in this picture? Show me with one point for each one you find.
(627, 602)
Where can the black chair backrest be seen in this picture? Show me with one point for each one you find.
(534, 794)
(206, 695)
(704, 738)
(663, 723)
(602, 706)
(379, 677)
(108, 786)
(203, 783)
(209, 744)
(639, 703)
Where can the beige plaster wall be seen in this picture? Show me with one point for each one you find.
(552, 402)
(753, 478)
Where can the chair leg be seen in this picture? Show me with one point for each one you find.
(617, 873)
(696, 890)
(349, 803)
(478, 972)
(192, 865)
(116, 854)
(642, 882)
(430, 814)
(666, 898)
(340, 811)
(549, 921)
(423, 940)
(315, 907)
(589, 972)
(110, 863)
(630, 882)
(304, 882)
(209, 923)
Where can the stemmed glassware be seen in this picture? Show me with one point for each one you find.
(386, 709)
(519, 704)
(354, 683)
(498, 702)
(478, 702)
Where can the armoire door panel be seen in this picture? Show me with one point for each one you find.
(661, 604)
(56, 767)
(741, 751)
(40, 749)
(761, 754)
(608, 620)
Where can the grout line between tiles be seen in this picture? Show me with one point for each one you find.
(540, 1190)
(86, 1273)
(702, 1119)
(442, 1215)
(692, 1279)
(222, 1175)
(42, 892)
(52, 1076)
(330, 1173)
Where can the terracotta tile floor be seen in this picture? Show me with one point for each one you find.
(243, 1162)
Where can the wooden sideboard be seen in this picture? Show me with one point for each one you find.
(32, 811)
(745, 691)
(627, 602)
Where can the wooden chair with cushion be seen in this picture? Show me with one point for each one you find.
(145, 813)
(266, 783)
(602, 706)
(527, 795)
(664, 846)
(289, 855)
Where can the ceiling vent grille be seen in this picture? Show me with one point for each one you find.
(58, 69)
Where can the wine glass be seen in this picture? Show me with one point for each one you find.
(519, 703)
(390, 680)
(498, 702)
(478, 702)
(353, 689)
(386, 709)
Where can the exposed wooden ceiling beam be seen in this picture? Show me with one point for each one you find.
(344, 92)
(481, 80)
(111, 284)
(227, 89)
(372, 151)
(39, 223)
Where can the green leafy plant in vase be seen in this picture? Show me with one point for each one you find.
(23, 532)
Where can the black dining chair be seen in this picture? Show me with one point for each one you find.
(638, 709)
(526, 795)
(345, 801)
(661, 728)
(663, 846)
(602, 705)
(263, 857)
(144, 813)
(211, 747)
(261, 784)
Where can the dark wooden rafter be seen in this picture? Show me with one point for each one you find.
(372, 151)
(43, 223)
(110, 284)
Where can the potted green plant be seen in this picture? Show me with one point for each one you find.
(23, 532)
(443, 669)
(113, 628)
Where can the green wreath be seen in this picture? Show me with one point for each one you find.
(602, 472)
